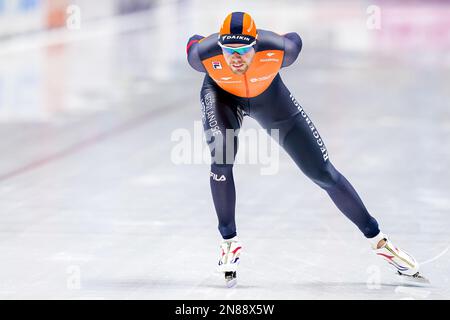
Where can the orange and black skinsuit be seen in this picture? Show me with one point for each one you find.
(261, 94)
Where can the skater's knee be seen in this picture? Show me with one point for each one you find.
(223, 151)
(326, 177)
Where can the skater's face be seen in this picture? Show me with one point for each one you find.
(239, 62)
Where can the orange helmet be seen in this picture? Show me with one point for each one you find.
(238, 27)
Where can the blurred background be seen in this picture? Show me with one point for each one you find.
(92, 205)
(131, 47)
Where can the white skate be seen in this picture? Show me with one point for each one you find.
(230, 251)
(407, 267)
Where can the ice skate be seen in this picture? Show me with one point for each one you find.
(416, 279)
(406, 266)
(230, 251)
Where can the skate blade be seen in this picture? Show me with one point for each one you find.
(230, 279)
(417, 279)
(231, 283)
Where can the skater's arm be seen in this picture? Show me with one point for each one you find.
(193, 54)
(292, 47)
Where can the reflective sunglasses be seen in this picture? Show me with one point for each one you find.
(238, 50)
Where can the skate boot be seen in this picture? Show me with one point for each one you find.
(405, 264)
(230, 251)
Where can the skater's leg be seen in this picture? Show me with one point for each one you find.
(304, 145)
(319, 169)
(308, 151)
(300, 138)
(221, 121)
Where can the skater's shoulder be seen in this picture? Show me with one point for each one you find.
(269, 40)
(209, 47)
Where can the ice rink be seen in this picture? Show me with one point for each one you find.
(94, 206)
